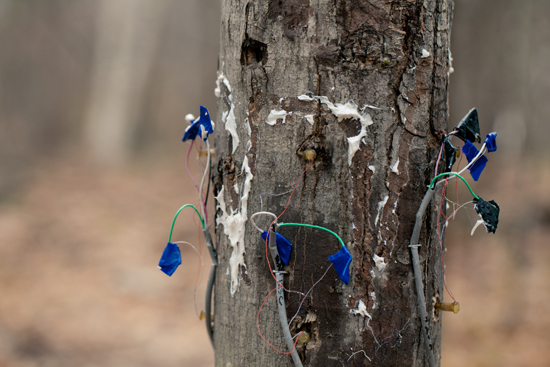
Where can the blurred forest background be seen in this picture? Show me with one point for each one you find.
(93, 96)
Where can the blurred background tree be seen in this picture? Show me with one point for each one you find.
(92, 100)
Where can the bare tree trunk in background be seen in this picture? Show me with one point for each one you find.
(392, 56)
(127, 36)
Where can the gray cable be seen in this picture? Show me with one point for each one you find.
(418, 275)
(210, 285)
(277, 264)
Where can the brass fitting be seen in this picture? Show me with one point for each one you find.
(303, 337)
(204, 153)
(454, 306)
(309, 155)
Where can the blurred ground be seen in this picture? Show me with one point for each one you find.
(80, 286)
(501, 280)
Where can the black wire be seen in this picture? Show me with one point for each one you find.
(208, 187)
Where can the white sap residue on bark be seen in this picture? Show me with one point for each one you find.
(221, 79)
(234, 226)
(349, 110)
(451, 69)
(379, 262)
(395, 167)
(373, 296)
(228, 117)
(361, 310)
(274, 115)
(304, 97)
(381, 205)
(247, 125)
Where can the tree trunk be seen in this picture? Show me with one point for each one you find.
(384, 62)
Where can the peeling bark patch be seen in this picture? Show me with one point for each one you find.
(328, 55)
(396, 184)
(361, 189)
(355, 14)
(230, 179)
(294, 15)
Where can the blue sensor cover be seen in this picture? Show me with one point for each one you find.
(170, 259)
(341, 261)
(471, 152)
(284, 247)
(203, 123)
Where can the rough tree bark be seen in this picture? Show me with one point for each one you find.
(390, 55)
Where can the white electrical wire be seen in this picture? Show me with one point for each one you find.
(206, 168)
(479, 154)
(310, 289)
(454, 213)
(261, 213)
(267, 193)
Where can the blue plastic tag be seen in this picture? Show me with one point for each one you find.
(491, 142)
(284, 247)
(202, 126)
(170, 259)
(471, 152)
(341, 261)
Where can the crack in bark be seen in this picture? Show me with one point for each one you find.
(413, 134)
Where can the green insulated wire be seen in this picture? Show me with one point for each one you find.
(432, 184)
(313, 226)
(176, 217)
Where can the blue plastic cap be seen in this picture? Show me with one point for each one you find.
(192, 131)
(284, 247)
(341, 261)
(491, 142)
(471, 152)
(202, 125)
(170, 259)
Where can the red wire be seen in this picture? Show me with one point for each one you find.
(456, 183)
(456, 190)
(279, 285)
(266, 237)
(258, 326)
(292, 193)
(440, 242)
